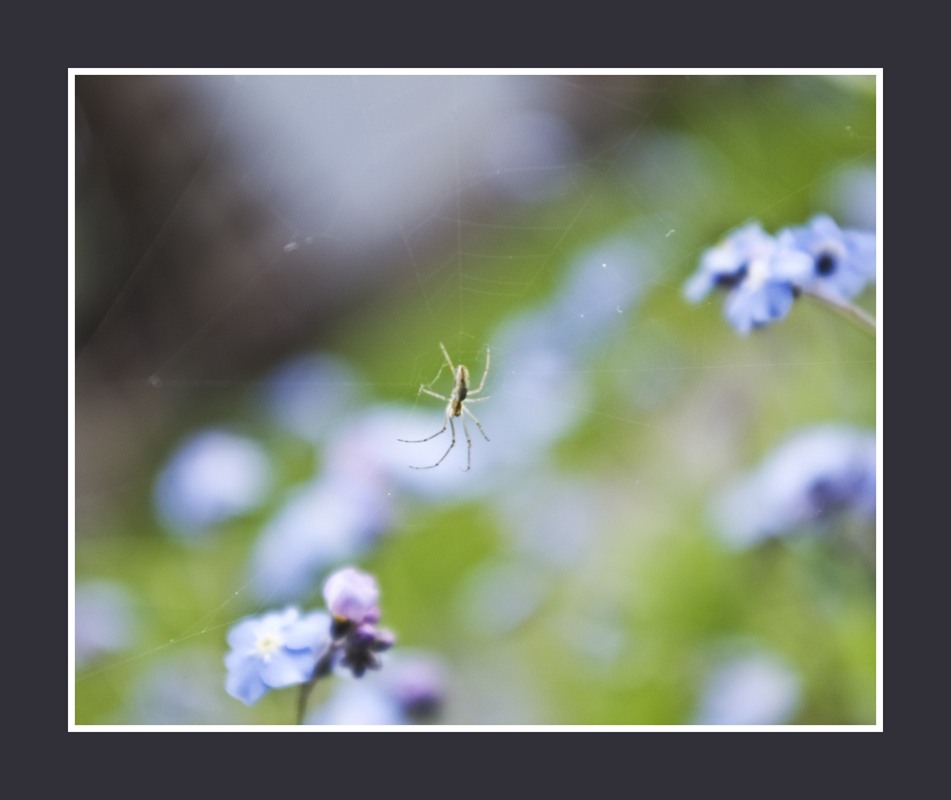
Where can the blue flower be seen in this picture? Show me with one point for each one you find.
(811, 479)
(105, 620)
(760, 272)
(603, 284)
(359, 703)
(410, 690)
(843, 261)
(309, 395)
(212, 477)
(754, 689)
(332, 519)
(276, 650)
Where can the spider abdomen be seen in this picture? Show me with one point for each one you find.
(460, 390)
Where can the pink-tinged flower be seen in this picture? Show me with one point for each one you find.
(352, 595)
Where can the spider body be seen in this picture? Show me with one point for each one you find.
(460, 390)
(456, 407)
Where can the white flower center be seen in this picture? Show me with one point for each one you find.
(757, 273)
(266, 644)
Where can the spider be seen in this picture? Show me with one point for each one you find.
(456, 406)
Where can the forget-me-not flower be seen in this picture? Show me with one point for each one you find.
(332, 519)
(105, 622)
(760, 272)
(310, 394)
(603, 284)
(272, 651)
(764, 274)
(213, 476)
(358, 703)
(410, 690)
(843, 260)
(810, 479)
(754, 689)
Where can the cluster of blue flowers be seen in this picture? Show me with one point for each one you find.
(763, 274)
(284, 648)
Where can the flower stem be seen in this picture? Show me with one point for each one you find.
(321, 669)
(851, 312)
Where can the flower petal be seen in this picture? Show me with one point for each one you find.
(244, 680)
(351, 594)
(311, 632)
(698, 286)
(286, 669)
(243, 635)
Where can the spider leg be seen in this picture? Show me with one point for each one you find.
(452, 369)
(478, 399)
(417, 441)
(476, 391)
(424, 389)
(466, 429)
(467, 411)
(453, 427)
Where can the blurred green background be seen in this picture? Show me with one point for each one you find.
(227, 224)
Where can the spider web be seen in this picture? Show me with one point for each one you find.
(550, 218)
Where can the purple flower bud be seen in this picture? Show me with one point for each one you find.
(382, 640)
(364, 634)
(352, 595)
(372, 616)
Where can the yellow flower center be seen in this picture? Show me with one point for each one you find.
(758, 272)
(266, 644)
